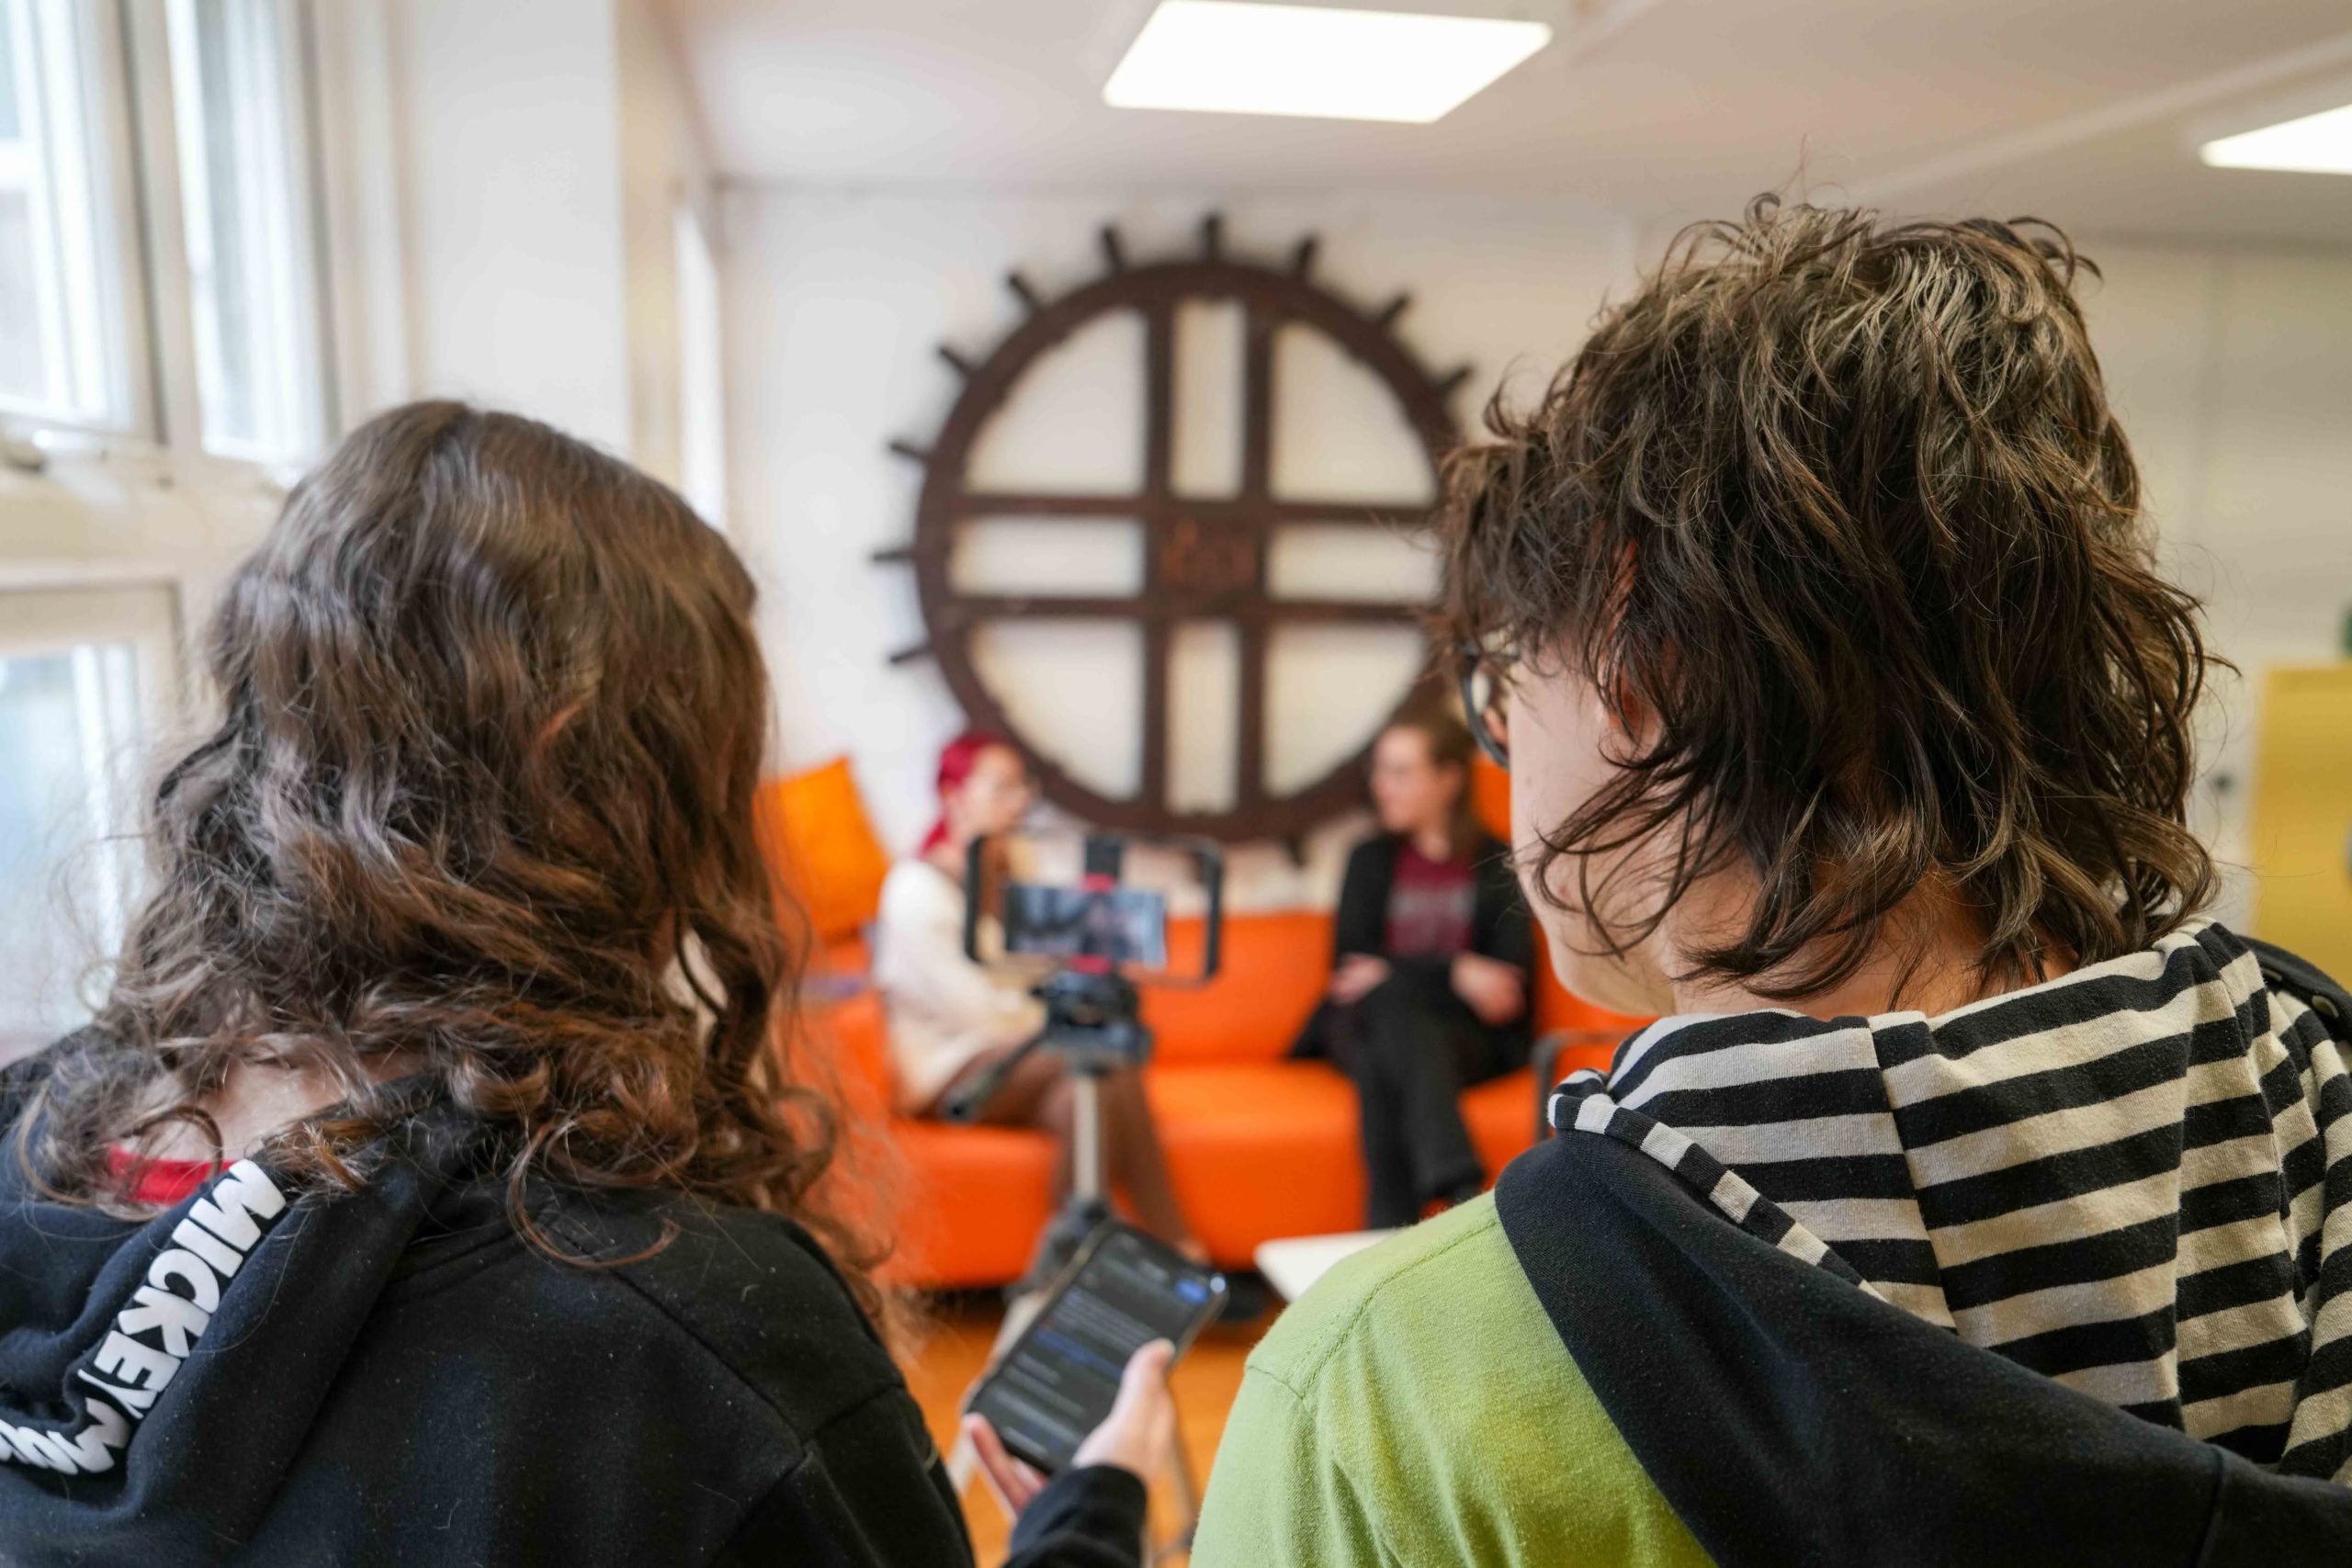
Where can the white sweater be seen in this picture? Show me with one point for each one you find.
(943, 1008)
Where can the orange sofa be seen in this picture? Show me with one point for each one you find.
(1259, 1147)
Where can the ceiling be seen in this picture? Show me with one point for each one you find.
(1661, 109)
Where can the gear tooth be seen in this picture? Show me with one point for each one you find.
(911, 452)
(894, 555)
(1114, 255)
(961, 366)
(1213, 236)
(1386, 315)
(909, 655)
(1302, 259)
(1452, 379)
(1027, 296)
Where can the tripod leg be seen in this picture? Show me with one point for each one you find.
(1087, 1180)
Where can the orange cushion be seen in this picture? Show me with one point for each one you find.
(1500, 1114)
(1256, 1150)
(1273, 970)
(972, 1203)
(823, 849)
(851, 1038)
(1558, 1007)
(1491, 796)
(1258, 1147)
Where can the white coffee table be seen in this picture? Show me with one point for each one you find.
(1295, 1263)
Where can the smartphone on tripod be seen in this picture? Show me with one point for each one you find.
(1058, 1381)
(1147, 909)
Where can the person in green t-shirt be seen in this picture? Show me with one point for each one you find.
(1847, 719)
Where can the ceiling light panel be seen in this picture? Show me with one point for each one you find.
(1227, 57)
(2315, 145)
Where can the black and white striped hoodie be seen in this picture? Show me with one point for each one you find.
(2132, 1183)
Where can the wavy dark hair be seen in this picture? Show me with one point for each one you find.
(482, 804)
(1836, 515)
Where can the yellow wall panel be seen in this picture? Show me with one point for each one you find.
(2301, 838)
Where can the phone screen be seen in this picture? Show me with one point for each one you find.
(1058, 1382)
(1126, 926)
(1145, 908)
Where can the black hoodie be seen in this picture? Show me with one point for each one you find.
(395, 1377)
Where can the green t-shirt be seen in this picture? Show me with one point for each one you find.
(1417, 1407)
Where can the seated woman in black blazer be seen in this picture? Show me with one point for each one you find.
(1430, 966)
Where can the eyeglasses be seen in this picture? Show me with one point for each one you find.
(1485, 674)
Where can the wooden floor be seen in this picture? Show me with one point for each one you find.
(952, 1347)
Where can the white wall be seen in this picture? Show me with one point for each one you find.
(836, 302)
(545, 147)
(517, 282)
(2233, 375)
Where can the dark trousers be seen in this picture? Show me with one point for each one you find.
(1412, 1046)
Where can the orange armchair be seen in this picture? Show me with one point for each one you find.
(1258, 1147)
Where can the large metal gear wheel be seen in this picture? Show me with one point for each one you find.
(1206, 559)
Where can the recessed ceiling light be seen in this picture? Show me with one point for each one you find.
(2315, 145)
(1227, 57)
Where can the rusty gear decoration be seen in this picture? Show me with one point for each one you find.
(1204, 559)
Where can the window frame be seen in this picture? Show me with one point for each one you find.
(128, 66)
(106, 97)
(172, 291)
(60, 610)
(309, 362)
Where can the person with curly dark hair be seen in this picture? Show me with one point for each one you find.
(1979, 1199)
(437, 1184)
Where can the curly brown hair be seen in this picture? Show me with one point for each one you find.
(1836, 515)
(481, 803)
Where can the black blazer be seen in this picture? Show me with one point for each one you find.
(1500, 925)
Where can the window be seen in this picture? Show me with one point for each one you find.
(209, 336)
(252, 258)
(63, 358)
(79, 672)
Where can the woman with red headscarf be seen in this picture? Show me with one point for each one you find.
(952, 1020)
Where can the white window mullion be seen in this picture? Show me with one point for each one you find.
(106, 704)
(244, 156)
(87, 682)
(199, 257)
(80, 376)
(66, 276)
(24, 46)
(281, 388)
(171, 313)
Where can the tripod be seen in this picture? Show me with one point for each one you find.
(1092, 1024)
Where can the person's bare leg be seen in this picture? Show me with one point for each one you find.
(1037, 1093)
(1137, 1163)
